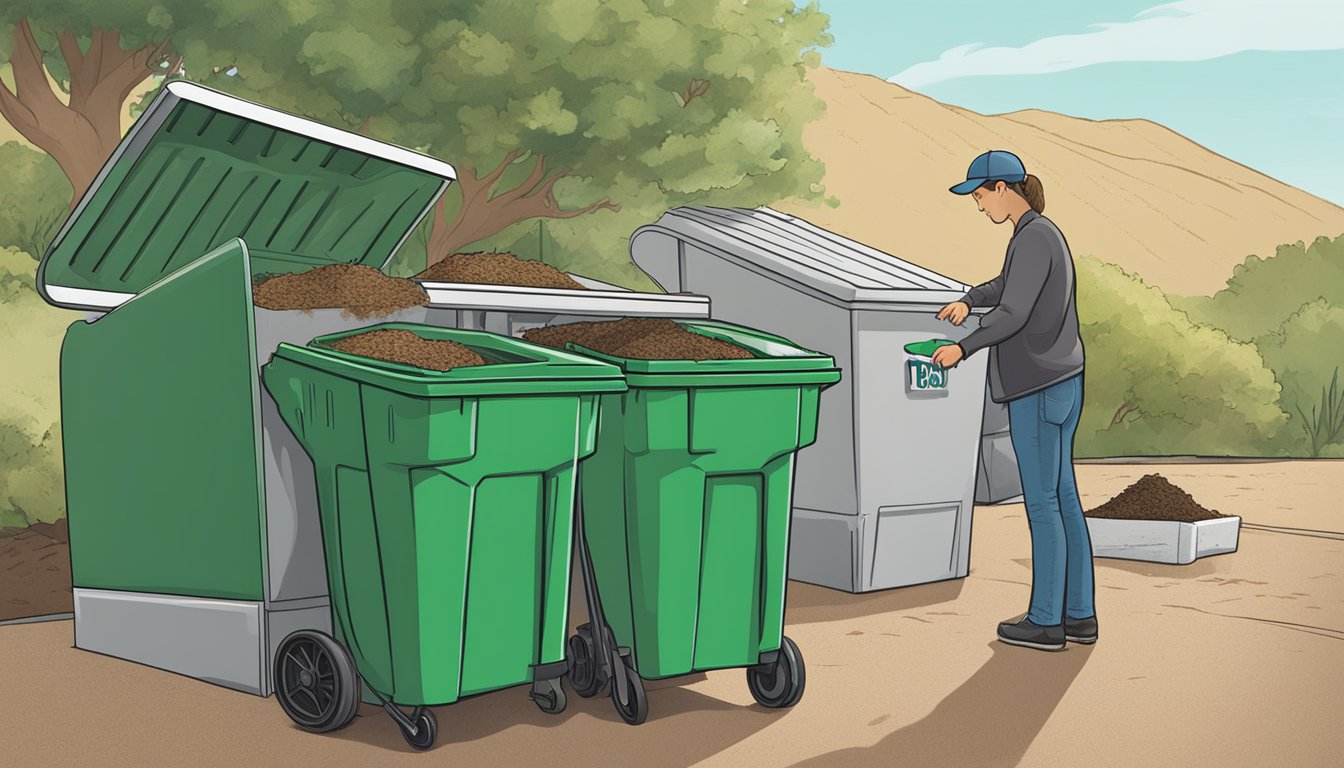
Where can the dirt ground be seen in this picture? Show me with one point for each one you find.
(35, 571)
(1235, 660)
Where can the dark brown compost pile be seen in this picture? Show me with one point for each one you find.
(638, 338)
(1153, 497)
(498, 268)
(360, 290)
(402, 346)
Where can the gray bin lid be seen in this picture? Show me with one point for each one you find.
(790, 251)
(200, 168)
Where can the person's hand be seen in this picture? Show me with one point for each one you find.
(955, 312)
(948, 355)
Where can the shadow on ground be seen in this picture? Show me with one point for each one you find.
(683, 728)
(990, 720)
(1201, 567)
(810, 604)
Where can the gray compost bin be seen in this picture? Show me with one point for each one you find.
(884, 497)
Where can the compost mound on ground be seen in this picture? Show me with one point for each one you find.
(35, 571)
(360, 290)
(638, 338)
(401, 346)
(498, 268)
(1153, 497)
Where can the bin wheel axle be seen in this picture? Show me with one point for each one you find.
(779, 683)
(627, 692)
(549, 696)
(424, 728)
(586, 675)
(419, 729)
(316, 682)
(593, 655)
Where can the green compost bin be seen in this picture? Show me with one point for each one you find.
(687, 499)
(446, 503)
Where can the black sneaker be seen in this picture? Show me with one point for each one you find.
(1028, 634)
(1080, 630)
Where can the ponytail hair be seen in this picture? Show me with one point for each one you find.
(1033, 192)
(1030, 190)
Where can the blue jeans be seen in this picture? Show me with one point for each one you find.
(1043, 425)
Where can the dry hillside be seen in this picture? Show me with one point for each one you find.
(1128, 191)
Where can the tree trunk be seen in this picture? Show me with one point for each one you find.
(79, 136)
(485, 213)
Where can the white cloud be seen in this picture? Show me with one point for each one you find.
(1190, 30)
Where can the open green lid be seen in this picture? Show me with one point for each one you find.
(200, 168)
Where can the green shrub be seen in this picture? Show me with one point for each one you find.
(1306, 351)
(1159, 384)
(30, 344)
(31, 470)
(1262, 293)
(32, 477)
(33, 199)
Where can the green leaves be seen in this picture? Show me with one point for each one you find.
(33, 200)
(1263, 292)
(1159, 384)
(1305, 352)
(1326, 426)
(651, 103)
(546, 112)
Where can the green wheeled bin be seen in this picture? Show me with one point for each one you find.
(447, 505)
(685, 515)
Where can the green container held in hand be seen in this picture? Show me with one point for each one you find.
(921, 373)
(687, 499)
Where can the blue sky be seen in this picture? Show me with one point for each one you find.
(1259, 81)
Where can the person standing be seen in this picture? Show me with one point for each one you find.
(1036, 367)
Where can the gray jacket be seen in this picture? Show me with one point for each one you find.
(1032, 332)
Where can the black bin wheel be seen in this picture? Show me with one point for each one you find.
(316, 681)
(549, 696)
(781, 683)
(635, 709)
(426, 729)
(584, 675)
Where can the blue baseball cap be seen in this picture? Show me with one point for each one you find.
(994, 165)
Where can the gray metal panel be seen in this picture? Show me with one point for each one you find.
(824, 549)
(892, 547)
(914, 449)
(279, 625)
(997, 479)
(790, 249)
(590, 301)
(295, 561)
(219, 641)
(996, 415)
(917, 544)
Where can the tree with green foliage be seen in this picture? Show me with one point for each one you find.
(1262, 293)
(32, 487)
(33, 199)
(1306, 353)
(95, 66)
(552, 109)
(1158, 384)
